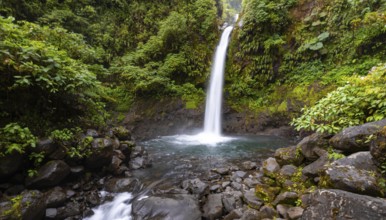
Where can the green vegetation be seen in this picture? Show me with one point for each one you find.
(288, 55)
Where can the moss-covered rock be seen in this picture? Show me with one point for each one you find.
(289, 155)
(378, 148)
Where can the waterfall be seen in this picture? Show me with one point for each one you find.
(212, 123)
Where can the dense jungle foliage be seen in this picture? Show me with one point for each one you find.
(67, 63)
(289, 54)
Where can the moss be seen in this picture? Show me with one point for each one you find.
(15, 210)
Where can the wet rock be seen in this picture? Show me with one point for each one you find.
(268, 212)
(314, 146)
(46, 146)
(282, 210)
(93, 198)
(251, 182)
(140, 162)
(31, 206)
(122, 133)
(232, 200)
(9, 165)
(225, 184)
(121, 184)
(92, 133)
(252, 200)
(378, 147)
(137, 151)
(234, 214)
(70, 193)
(167, 207)
(249, 165)
(361, 160)
(288, 170)
(236, 185)
(351, 179)
(270, 166)
(295, 212)
(50, 174)
(115, 164)
(222, 171)
(126, 147)
(250, 214)
(355, 139)
(338, 204)
(55, 197)
(289, 155)
(196, 186)
(214, 188)
(71, 209)
(238, 174)
(51, 213)
(213, 207)
(288, 198)
(316, 167)
(102, 153)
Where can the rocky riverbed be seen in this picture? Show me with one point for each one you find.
(321, 177)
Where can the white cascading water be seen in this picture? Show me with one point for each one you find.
(212, 123)
(117, 209)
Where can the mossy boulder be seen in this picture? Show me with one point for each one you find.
(266, 193)
(289, 155)
(122, 133)
(357, 138)
(378, 148)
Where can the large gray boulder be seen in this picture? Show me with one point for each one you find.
(50, 174)
(176, 207)
(357, 138)
(314, 146)
(349, 178)
(196, 186)
(360, 160)
(337, 204)
(30, 206)
(102, 153)
(121, 184)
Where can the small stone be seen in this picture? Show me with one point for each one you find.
(248, 165)
(51, 213)
(295, 212)
(225, 184)
(251, 182)
(268, 212)
(222, 171)
(215, 188)
(239, 174)
(236, 186)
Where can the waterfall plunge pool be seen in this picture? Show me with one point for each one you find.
(180, 157)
